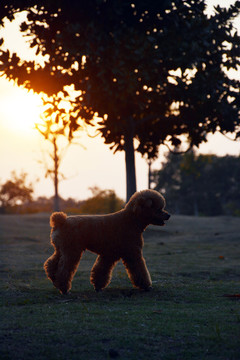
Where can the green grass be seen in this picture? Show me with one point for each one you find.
(194, 262)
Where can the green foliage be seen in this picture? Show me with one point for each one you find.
(200, 184)
(15, 191)
(102, 202)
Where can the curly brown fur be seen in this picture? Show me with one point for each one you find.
(113, 237)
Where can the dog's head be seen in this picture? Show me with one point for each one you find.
(148, 206)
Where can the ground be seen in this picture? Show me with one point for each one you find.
(194, 263)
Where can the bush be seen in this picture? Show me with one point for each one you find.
(102, 202)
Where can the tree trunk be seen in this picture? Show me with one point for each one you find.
(195, 203)
(130, 162)
(56, 206)
(195, 206)
(149, 174)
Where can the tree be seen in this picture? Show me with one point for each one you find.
(154, 71)
(101, 202)
(200, 184)
(15, 191)
(57, 123)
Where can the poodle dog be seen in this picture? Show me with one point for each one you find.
(113, 237)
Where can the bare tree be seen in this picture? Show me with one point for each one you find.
(56, 124)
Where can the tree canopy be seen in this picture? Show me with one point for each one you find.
(15, 191)
(200, 184)
(153, 70)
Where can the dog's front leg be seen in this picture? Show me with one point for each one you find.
(67, 268)
(137, 270)
(101, 273)
(51, 265)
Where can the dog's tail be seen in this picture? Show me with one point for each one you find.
(57, 219)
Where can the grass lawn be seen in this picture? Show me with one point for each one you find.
(194, 262)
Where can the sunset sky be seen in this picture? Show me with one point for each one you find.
(92, 164)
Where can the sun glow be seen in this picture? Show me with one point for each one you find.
(22, 110)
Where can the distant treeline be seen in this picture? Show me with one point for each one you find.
(101, 202)
(200, 184)
(192, 184)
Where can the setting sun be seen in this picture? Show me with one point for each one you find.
(23, 110)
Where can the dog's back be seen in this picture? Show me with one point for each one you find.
(92, 232)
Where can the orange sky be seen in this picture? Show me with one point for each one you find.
(21, 146)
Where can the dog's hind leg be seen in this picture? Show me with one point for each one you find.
(137, 271)
(67, 267)
(101, 273)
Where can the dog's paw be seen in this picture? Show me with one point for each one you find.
(98, 290)
(64, 292)
(148, 288)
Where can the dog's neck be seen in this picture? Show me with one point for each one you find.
(140, 226)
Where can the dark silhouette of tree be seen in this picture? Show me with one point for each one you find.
(200, 184)
(153, 70)
(15, 191)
